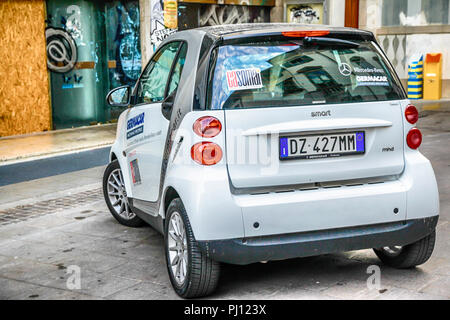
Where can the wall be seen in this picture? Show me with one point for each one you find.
(402, 42)
(101, 45)
(146, 46)
(24, 85)
(370, 14)
(429, 43)
(277, 12)
(336, 13)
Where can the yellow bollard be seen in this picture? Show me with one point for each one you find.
(432, 84)
(415, 78)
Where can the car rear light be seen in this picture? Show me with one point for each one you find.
(206, 153)
(414, 138)
(207, 127)
(302, 34)
(411, 114)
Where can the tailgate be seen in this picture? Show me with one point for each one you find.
(253, 143)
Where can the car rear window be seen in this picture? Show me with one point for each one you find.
(288, 73)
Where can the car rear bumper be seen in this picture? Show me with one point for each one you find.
(293, 245)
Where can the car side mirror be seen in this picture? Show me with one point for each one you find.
(119, 97)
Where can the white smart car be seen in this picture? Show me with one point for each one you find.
(262, 142)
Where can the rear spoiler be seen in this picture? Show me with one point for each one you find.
(349, 35)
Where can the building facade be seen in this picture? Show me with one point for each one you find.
(61, 57)
(409, 28)
(162, 17)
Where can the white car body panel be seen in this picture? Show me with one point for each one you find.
(382, 124)
(147, 148)
(318, 125)
(215, 213)
(219, 199)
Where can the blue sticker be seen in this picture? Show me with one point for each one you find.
(284, 147)
(135, 125)
(360, 141)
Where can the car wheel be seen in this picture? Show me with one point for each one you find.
(191, 272)
(116, 196)
(408, 256)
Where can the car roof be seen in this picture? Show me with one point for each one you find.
(258, 29)
(238, 32)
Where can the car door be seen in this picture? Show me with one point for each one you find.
(146, 126)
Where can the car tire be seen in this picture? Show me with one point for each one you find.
(408, 256)
(201, 274)
(116, 198)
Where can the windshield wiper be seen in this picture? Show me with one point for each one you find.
(308, 41)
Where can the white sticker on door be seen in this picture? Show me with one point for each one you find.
(244, 79)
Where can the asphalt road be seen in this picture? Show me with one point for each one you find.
(51, 166)
(37, 255)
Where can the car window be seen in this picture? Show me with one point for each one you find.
(153, 81)
(288, 73)
(178, 68)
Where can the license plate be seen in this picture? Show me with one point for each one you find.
(322, 146)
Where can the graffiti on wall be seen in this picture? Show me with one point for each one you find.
(63, 46)
(158, 28)
(217, 15)
(212, 15)
(61, 50)
(73, 23)
(194, 15)
(123, 27)
(305, 13)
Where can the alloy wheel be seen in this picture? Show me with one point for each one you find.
(118, 196)
(178, 250)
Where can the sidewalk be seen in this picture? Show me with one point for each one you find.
(38, 145)
(433, 105)
(434, 116)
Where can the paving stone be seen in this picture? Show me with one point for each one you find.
(439, 287)
(63, 240)
(144, 291)
(410, 279)
(404, 294)
(14, 231)
(100, 226)
(118, 262)
(101, 285)
(28, 250)
(142, 270)
(437, 266)
(354, 289)
(140, 234)
(34, 292)
(22, 269)
(93, 261)
(98, 284)
(10, 288)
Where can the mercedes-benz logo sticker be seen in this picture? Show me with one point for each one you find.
(61, 50)
(345, 69)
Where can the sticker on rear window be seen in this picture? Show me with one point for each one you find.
(244, 79)
(372, 81)
(372, 77)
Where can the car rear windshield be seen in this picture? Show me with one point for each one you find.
(293, 73)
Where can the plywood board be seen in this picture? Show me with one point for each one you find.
(24, 85)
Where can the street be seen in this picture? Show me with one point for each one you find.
(54, 226)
